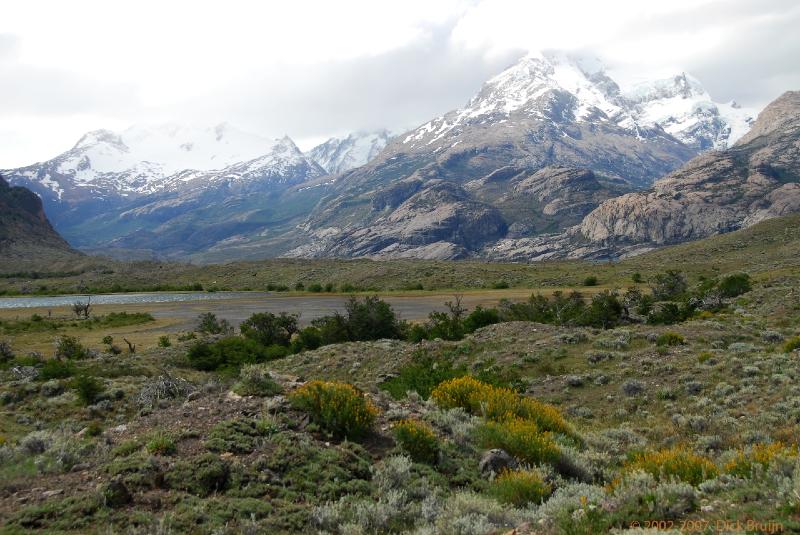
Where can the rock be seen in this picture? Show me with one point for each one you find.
(715, 192)
(50, 493)
(116, 494)
(632, 387)
(693, 387)
(52, 388)
(575, 380)
(495, 461)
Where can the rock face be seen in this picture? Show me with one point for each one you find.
(338, 155)
(23, 223)
(756, 179)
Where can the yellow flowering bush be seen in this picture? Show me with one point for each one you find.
(417, 439)
(339, 408)
(674, 463)
(520, 438)
(520, 488)
(760, 454)
(499, 404)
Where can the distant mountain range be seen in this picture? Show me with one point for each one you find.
(536, 164)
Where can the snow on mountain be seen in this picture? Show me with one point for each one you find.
(144, 160)
(681, 106)
(337, 155)
(564, 88)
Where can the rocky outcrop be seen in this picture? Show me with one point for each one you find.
(23, 221)
(758, 178)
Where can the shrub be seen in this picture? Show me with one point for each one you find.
(231, 353)
(674, 463)
(339, 408)
(6, 353)
(256, 381)
(306, 339)
(792, 345)
(417, 440)
(669, 285)
(480, 317)
(734, 285)
(520, 438)
(161, 444)
(268, 329)
(604, 311)
(55, 368)
(637, 278)
(422, 375)
(107, 340)
(87, 388)
(201, 477)
(519, 488)
(761, 455)
(314, 287)
(497, 403)
(371, 319)
(590, 281)
(241, 435)
(500, 285)
(669, 339)
(163, 341)
(68, 347)
(208, 323)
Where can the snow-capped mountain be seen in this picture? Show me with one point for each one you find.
(141, 161)
(681, 106)
(568, 89)
(337, 155)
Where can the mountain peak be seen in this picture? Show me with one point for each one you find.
(338, 155)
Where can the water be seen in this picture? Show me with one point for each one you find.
(121, 299)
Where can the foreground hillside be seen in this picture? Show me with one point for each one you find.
(553, 415)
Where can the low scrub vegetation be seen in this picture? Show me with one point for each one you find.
(339, 408)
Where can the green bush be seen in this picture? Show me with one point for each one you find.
(480, 317)
(163, 341)
(792, 344)
(87, 388)
(256, 381)
(268, 329)
(500, 285)
(314, 287)
(202, 476)
(68, 347)
(590, 281)
(520, 488)
(241, 435)
(369, 318)
(422, 375)
(55, 368)
(339, 408)
(417, 440)
(669, 285)
(669, 339)
(161, 444)
(734, 285)
(637, 278)
(208, 323)
(307, 339)
(231, 353)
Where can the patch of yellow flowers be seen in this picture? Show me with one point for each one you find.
(339, 408)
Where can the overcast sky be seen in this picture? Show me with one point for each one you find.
(317, 69)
